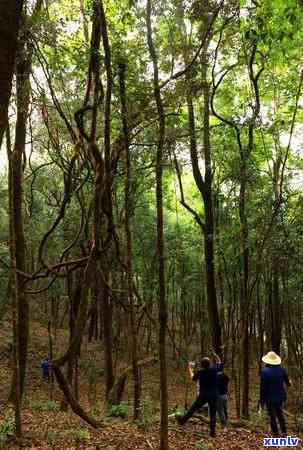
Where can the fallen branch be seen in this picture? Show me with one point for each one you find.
(76, 407)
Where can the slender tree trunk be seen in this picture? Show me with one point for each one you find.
(207, 193)
(75, 297)
(160, 235)
(205, 187)
(277, 314)
(128, 234)
(245, 300)
(16, 167)
(107, 320)
(204, 184)
(16, 170)
(51, 353)
(106, 202)
(16, 391)
(260, 325)
(244, 303)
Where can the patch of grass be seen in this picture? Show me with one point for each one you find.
(49, 405)
(79, 434)
(176, 412)
(6, 430)
(201, 447)
(51, 437)
(121, 410)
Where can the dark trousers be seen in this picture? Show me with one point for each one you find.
(222, 409)
(275, 412)
(46, 376)
(198, 403)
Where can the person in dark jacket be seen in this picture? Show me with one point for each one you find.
(272, 390)
(208, 392)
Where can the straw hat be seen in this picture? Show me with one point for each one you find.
(271, 358)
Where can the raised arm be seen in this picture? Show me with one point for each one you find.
(216, 358)
(191, 366)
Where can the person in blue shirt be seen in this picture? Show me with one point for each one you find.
(45, 366)
(272, 390)
(208, 391)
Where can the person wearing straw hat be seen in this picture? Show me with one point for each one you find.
(272, 390)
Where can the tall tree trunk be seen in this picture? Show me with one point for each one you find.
(244, 303)
(245, 300)
(160, 235)
(106, 203)
(16, 161)
(274, 311)
(204, 184)
(75, 293)
(16, 173)
(107, 320)
(128, 234)
(205, 188)
(277, 314)
(10, 14)
(207, 194)
(15, 392)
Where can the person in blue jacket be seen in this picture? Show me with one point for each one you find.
(45, 366)
(274, 379)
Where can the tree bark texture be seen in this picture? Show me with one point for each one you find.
(128, 234)
(204, 184)
(10, 14)
(16, 159)
(160, 235)
(15, 391)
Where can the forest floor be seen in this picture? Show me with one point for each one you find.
(46, 427)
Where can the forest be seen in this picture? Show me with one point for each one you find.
(151, 180)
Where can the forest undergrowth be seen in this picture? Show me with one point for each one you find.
(46, 426)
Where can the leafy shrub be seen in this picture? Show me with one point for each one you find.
(95, 411)
(121, 410)
(6, 430)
